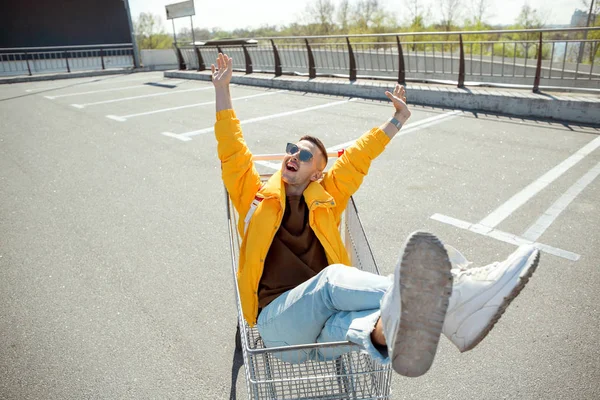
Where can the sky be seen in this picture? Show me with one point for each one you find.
(233, 14)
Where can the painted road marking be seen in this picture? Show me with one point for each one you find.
(100, 91)
(408, 128)
(141, 97)
(504, 236)
(258, 119)
(502, 212)
(95, 82)
(539, 227)
(123, 118)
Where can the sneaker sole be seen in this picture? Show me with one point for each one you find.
(425, 287)
(523, 279)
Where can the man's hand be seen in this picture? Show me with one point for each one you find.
(398, 98)
(221, 75)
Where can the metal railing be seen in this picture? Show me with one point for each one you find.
(519, 58)
(33, 60)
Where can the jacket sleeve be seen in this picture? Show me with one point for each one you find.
(346, 175)
(238, 171)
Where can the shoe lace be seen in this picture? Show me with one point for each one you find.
(461, 273)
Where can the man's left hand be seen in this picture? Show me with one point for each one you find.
(398, 98)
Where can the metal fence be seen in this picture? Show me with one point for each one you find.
(34, 60)
(532, 58)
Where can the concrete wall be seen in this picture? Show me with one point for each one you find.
(159, 59)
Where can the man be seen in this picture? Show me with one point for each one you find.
(294, 280)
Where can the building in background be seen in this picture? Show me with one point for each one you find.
(579, 18)
(34, 23)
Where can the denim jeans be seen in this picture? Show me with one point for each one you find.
(338, 304)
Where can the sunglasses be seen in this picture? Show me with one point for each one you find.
(304, 155)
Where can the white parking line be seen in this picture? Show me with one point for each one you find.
(95, 82)
(408, 128)
(44, 88)
(504, 236)
(140, 97)
(539, 227)
(123, 118)
(258, 119)
(104, 90)
(502, 212)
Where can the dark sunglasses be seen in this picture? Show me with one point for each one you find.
(304, 155)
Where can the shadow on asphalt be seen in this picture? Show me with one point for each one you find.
(236, 365)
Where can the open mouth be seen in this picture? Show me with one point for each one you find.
(293, 167)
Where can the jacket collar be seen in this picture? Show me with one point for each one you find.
(314, 194)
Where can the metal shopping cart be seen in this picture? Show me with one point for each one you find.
(344, 373)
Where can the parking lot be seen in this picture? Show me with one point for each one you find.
(115, 277)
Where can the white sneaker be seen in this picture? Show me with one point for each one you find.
(480, 295)
(413, 309)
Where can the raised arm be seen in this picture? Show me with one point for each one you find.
(221, 77)
(237, 169)
(346, 175)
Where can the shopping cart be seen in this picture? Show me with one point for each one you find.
(345, 372)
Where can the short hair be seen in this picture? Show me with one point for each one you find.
(317, 142)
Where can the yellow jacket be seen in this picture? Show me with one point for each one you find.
(326, 201)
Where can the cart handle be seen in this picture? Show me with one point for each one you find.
(279, 156)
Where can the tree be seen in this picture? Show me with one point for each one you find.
(450, 10)
(417, 13)
(149, 31)
(320, 13)
(592, 20)
(529, 18)
(343, 15)
(366, 14)
(480, 10)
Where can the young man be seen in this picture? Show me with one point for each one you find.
(294, 279)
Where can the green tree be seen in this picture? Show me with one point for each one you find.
(150, 33)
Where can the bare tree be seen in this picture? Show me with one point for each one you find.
(417, 13)
(450, 10)
(481, 10)
(594, 8)
(343, 15)
(366, 12)
(320, 12)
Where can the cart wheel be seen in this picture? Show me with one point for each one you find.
(238, 338)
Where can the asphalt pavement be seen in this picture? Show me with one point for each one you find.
(115, 273)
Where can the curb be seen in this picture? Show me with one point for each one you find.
(69, 75)
(570, 108)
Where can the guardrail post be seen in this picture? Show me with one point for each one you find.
(201, 66)
(461, 64)
(352, 61)
(27, 61)
(312, 69)
(248, 60)
(180, 60)
(278, 67)
(102, 57)
(401, 67)
(67, 60)
(538, 68)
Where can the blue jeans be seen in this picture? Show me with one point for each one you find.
(338, 304)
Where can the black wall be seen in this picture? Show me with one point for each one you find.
(35, 23)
